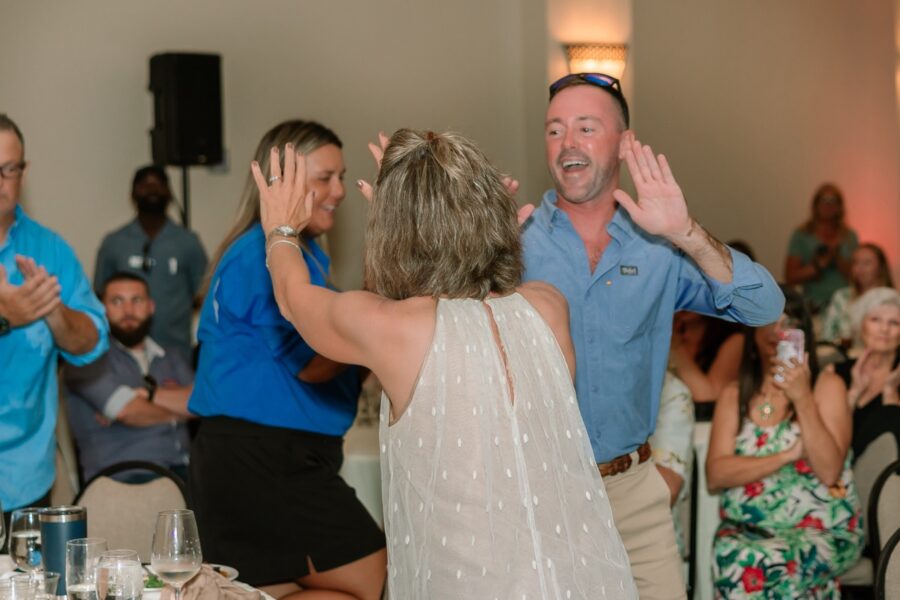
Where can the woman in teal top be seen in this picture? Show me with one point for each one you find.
(779, 454)
(819, 251)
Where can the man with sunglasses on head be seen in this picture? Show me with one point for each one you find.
(47, 311)
(625, 267)
(170, 257)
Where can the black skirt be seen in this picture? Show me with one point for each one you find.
(266, 498)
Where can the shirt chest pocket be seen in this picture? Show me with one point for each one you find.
(630, 299)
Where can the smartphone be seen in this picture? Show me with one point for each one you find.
(791, 344)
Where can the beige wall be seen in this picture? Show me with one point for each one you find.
(75, 75)
(756, 103)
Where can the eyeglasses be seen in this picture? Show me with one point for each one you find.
(601, 80)
(12, 171)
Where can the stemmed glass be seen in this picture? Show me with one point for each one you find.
(176, 554)
(25, 539)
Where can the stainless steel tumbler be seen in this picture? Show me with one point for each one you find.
(59, 524)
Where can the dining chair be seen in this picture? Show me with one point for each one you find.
(867, 469)
(125, 513)
(887, 580)
(884, 510)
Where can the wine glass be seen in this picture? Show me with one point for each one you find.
(25, 539)
(176, 556)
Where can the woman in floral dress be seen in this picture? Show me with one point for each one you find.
(779, 454)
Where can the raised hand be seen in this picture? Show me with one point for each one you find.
(37, 297)
(660, 208)
(796, 379)
(377, 151)
(283, 199)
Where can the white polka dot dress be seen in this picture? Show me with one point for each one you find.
(477, 502)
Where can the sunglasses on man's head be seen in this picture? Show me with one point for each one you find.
(599, 79)
(609, 83)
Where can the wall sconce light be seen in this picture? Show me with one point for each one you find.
(597, 58)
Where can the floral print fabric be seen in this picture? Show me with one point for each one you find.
(787, 535)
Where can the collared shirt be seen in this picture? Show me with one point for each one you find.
(250, 355)
(173, 263)
(104, 388)
(621, 315)
(28, 359)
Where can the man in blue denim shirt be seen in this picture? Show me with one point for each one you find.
(47, 310)
(625, 268)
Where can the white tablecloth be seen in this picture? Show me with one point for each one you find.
(7, 566)
(362, 469)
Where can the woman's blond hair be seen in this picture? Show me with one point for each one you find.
(306, 137)
(441, 222)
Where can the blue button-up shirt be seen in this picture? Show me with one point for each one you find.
(28, 359)
(621, 315)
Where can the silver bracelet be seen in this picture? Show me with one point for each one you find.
(274, 243)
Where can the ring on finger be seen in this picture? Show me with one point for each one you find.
(780, 369)
(274, 178)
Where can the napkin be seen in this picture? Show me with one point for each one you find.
(209, 585)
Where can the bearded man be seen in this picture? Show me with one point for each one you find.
(132, 403)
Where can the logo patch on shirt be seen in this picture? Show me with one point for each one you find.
(629, 270)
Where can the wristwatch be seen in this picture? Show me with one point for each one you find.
(150, 385)
(4, 326)
(282, 230)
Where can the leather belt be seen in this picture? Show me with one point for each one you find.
(620, 464)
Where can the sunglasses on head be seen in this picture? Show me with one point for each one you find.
(601, 80)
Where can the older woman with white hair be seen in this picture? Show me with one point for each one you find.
(873, 380)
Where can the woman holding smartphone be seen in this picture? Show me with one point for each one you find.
(779, 454)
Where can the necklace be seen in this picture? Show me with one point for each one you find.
(766, 408)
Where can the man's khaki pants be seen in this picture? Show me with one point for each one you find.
(640, 505)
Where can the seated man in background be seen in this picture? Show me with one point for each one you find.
(132, 403)
(170, 257)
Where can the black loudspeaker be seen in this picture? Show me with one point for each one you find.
(187, 107)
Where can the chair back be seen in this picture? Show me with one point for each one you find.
(869, 465)
(884, 509)
(125, 513)
(887, 580)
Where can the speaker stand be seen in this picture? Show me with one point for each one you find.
(185, 197)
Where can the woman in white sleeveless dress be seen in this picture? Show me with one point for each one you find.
(490, 487)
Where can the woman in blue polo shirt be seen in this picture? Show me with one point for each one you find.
(264, 464)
